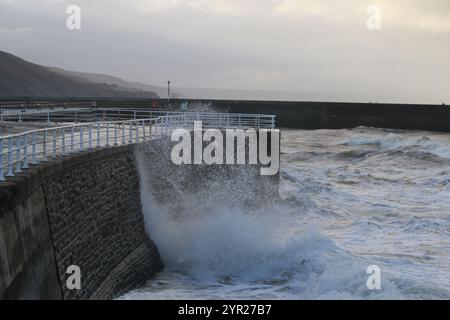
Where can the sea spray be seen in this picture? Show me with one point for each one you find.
(247, 246)
(321, 241)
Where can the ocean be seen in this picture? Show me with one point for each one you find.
(350, 199)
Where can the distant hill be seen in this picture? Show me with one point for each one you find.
(111, 80)
(20, 78)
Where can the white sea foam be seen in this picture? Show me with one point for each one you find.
(337, 220)
(392, 141)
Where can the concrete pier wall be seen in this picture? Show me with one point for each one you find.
(328, 115)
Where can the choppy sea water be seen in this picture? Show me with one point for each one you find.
(352, 198)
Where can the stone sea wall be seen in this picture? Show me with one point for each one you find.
(84, 210)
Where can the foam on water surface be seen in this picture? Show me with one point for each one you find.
(352, 198)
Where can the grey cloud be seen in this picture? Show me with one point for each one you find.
(222, 44)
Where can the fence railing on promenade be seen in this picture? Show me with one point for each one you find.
(19, 151)
(76, 115)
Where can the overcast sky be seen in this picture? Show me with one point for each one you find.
(321, 49)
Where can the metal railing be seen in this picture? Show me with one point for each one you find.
(27, 105)
(19, 151)
(79, 114)
(47, 115)
(64, 115)
(217, 120)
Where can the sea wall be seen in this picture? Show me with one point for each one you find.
(84, 210)
(334, 115)
(27, 260)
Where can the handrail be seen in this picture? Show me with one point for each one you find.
(68, 126)
(86, 114)
(18, 151)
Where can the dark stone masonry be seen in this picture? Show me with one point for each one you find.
(95, 217)
(83, 211)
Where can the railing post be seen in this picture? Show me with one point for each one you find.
(2, 176)
(150, 128)
(2, 117)
(54, 143)
(33, 149)
(143, 127)
(131, 132)
(90, 137)
(136, 124)
(115, 134)
(98, 134)
(72, 139)
(63, 142)
(18, 170)
(166, 127)
(20, 115)
(25, 151)
(81, 138)
(107, 134)
(45, 146)
(123, 133)
(48, 117)
(10, 157)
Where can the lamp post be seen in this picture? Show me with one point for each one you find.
(168, 91)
